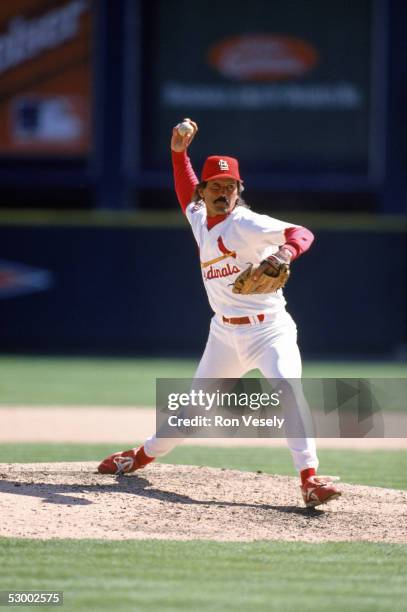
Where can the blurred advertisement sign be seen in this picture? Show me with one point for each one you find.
(45, 74)
(261, 57)
(19, 279)
(280, 85)
(55, 119)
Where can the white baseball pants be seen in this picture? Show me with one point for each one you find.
(233, 350)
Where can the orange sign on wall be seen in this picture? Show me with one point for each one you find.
(262, 57)
(45, 77)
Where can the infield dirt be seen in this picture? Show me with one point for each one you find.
(115, 424)
(71, 500)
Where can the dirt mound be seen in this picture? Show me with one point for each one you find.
(70, 500)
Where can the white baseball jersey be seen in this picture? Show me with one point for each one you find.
(244, 237)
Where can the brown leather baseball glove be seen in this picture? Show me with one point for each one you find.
(271, 275)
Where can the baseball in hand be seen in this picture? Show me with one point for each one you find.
(185, 128)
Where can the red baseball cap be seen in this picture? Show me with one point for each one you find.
(220, 166)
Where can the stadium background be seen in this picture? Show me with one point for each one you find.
(95, 256)
(100, 293)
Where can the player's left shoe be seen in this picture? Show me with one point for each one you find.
(318, 490)
(125, 462)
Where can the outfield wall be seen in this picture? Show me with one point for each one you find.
(133, 287)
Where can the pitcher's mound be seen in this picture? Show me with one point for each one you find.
(70, 500)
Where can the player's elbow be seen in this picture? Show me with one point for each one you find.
(300, 239)
(307, 237)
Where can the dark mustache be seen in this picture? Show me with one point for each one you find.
(221, 199)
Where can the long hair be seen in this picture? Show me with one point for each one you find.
(199, 201)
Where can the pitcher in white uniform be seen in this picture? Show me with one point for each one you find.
(247, 331)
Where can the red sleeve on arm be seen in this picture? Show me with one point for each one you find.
(298, 240)
(184, 178)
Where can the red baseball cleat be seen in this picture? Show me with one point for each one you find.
(318, 490)
(125, 462)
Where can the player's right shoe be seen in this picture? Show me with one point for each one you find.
(318, 490)
(125, 462)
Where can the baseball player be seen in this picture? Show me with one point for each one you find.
(250, 327)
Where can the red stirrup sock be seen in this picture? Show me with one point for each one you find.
(141, 458)
(305, 474)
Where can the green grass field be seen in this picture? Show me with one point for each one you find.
(171, 576)
(196, 575)
(373, 468)
(41, 380)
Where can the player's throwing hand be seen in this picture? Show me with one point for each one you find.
(180, 143)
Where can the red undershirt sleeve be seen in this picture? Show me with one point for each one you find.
(185, 179)
(298, 240)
